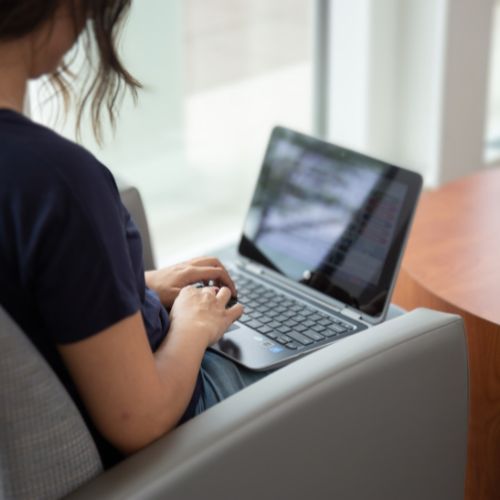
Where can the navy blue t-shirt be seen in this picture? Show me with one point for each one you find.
(70, 255)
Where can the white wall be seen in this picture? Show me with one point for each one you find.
(465, 86)
(408, 81)
(349, 72)
(418, 103)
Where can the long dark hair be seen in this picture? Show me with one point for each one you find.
(103, 21)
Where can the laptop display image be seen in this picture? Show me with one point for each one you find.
(320, 249)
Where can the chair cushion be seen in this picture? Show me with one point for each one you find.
(46, 450)
(132, 200)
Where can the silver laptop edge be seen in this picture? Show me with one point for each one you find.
(298, 290)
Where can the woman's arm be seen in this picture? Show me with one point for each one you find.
(133, 395)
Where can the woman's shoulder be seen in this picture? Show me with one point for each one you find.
(37, 158)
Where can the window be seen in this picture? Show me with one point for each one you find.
(219, 74)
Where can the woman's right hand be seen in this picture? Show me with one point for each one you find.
(203, 312)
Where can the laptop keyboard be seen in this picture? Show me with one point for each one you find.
(283, 319)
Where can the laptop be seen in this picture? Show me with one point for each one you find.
(320, 249)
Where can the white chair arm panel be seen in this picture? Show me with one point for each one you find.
(379, 415)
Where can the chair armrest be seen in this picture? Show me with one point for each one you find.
(132, 200)
(381, 415)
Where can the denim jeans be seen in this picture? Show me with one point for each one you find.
(221, 378)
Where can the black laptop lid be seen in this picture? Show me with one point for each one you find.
(330, 218)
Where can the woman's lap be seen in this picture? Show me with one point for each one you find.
(221, 378)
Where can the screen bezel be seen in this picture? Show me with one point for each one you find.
(413, 183)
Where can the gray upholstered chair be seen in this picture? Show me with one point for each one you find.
(131, 198)
(379, 415)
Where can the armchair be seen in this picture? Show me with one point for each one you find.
(381, 415)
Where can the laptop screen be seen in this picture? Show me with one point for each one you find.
(330, 218)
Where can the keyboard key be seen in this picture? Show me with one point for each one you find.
(325, 322)
(318, 328)
(272, 335)
(330, 333)
(283, 339)
(274, 324)
(292, 345)
(281, 318)
(254, 324)
(302, 339)
(245, 318)
(338, 329)
(300, 328)
(284, 329)
(307, 312)
(265, 319)
(290, 322)
(264, 329)
(308, 323)
(313, 335)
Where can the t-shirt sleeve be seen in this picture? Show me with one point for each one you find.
(76, 260)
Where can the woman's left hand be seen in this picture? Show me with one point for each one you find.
(169, 281)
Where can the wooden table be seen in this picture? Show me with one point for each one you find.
(452, 263)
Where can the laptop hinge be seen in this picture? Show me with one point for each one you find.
(290, 288)
(351, 314)
(248, 266)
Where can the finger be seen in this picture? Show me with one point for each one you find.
(212, 262)
(235, 312)
(224, 294)
(206, 273)
(174, 293)
(212, 290)
(206, 261)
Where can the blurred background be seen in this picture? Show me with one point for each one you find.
(414, 82)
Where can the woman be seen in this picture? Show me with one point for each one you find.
(70, 256)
